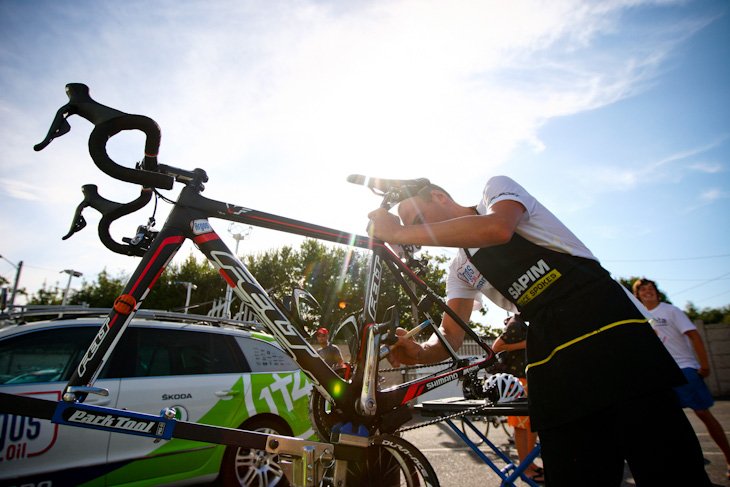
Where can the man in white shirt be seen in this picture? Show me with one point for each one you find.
(680, 336)
(593, 360)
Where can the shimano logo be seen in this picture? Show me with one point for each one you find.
(442, 380)
(538, 278)
(200, 227)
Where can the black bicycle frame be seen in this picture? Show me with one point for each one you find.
(189, 220)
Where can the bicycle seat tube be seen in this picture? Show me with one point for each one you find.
(367, 404)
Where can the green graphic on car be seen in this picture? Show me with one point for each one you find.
(280, 394)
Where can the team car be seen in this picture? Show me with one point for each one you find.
(219, 373)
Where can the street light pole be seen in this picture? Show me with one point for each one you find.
(239, 233)
(18, 268)
(190, 286)
(71, 274)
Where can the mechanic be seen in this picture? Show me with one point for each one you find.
(329, 353)
(600, 381)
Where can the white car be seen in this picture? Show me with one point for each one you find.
(220, 375)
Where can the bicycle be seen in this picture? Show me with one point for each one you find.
(348, 409)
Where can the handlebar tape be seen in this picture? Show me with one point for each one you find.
(107, 219)
(107, 123)
(97, 148)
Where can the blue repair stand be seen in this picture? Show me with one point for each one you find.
(445, 407)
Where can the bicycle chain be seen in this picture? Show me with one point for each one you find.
(444, 418)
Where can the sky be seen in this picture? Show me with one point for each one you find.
(615, 114)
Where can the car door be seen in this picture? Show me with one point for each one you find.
(38, 363)
(197, 373)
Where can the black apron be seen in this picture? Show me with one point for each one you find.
(588, 346)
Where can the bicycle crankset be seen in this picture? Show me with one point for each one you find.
(325, 416)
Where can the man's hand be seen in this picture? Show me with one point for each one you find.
(383, 225)
(405, 351)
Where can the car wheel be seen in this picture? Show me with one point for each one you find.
(247, 467)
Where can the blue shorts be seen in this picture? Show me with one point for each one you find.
(694, 395)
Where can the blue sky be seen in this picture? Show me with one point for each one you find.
(615, 114)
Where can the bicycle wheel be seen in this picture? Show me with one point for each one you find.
(391, 462)
(509, 430)
(469, 433)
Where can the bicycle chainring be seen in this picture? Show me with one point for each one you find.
(323, 415)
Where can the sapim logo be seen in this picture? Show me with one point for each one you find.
(538, 277)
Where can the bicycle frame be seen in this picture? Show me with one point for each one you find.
(189, 220)
(357, 398)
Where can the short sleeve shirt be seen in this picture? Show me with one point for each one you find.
(538, 225)
(670, 326)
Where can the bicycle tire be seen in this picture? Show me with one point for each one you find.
(392, 462)
(476, 439)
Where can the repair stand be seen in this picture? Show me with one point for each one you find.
(445, 407)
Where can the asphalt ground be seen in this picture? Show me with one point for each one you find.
(456, 465)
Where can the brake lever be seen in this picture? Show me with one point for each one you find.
(110, 211)
(93, 199)
(80, 103)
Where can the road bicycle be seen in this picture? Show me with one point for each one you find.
(356, 419)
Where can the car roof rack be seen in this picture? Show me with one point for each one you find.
(21, 313)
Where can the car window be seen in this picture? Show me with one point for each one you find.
(162, 352)
(264, 357)
(43, 355)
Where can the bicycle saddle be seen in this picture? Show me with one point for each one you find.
(405, 188)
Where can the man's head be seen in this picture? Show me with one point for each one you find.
(430, 205)
(646, 291)
(322, 336)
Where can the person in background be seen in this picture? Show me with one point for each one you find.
(680, 336)
(329, 353)
(512, 343)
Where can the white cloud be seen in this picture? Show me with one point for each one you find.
(19, 189)
(707, 167)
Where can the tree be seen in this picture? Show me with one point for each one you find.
(47, 296)
(168, 295)
(336, 277)
(99, 294)
(708, 315)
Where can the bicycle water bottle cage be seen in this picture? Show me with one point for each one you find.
(393, 190)
(107, 123)
(111, 211)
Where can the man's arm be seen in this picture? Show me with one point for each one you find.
(476, 231)
(502, 346)
(699, 346)
(407, 351)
